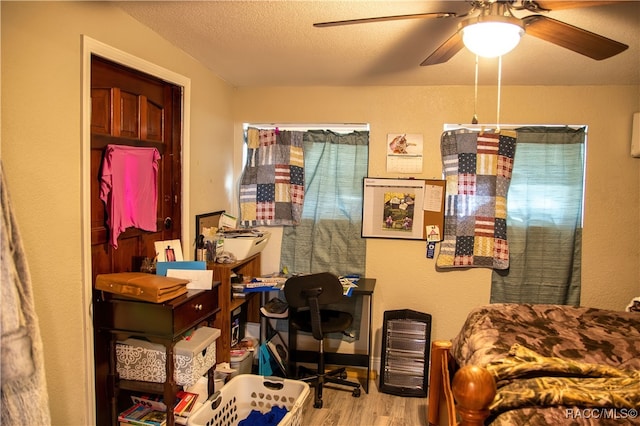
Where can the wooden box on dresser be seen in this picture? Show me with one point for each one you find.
(118, 318)
(248, 268)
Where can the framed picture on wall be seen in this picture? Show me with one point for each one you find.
(393, 208)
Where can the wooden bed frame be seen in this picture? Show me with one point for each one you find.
(468, 396)
(466, 399)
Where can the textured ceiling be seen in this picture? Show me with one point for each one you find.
(273, 43)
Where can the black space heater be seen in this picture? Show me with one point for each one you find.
(406, 340)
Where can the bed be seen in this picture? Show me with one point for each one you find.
(522, 364)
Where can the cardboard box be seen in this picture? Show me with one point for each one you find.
(139, 359)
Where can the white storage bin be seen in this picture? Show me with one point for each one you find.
(142, 360)
(242, 246)
(242, 363)
(248, 392)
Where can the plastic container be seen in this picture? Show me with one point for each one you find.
(142, 360)
(242, 362)
(248, 392)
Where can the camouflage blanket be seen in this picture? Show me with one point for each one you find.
(591, 335)
(524, 378)
(556, 364)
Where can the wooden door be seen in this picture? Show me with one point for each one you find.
(135, 109)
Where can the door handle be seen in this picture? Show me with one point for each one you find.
(168, 222)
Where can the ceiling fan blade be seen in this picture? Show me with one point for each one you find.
(573, 38)
(446, 50)
(563, 4)
(386, 18)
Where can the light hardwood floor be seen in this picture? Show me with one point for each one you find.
(340, 408)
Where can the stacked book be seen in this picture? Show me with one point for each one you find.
(151, 411)
(142, 415)
(266, 283)
(185, 406)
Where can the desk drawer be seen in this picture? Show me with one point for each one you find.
(165, 320)
(196, 309)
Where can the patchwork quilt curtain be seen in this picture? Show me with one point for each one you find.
(477, 168)
(272, 185)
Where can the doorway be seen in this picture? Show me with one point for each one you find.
(161, 101)
(130, 109)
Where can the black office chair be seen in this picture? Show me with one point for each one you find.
(307, 294)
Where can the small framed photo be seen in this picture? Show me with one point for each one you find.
(169, 251)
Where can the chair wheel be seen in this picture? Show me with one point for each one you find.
(317, 404)
(356, 393)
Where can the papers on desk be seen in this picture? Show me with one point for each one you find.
(198, 280)
(259, 284)
(263, 287)
(274, 283)
(348, 284)
(196, 272)
(264, 284)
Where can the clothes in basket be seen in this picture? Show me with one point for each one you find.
(270, 418)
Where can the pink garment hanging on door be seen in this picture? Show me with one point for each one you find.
(129, 188)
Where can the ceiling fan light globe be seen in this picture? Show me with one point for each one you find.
(491, 39)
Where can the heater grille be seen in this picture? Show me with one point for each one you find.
(405, 353)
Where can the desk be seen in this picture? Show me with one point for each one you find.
(365, 288)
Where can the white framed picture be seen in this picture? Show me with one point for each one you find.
(169, 251)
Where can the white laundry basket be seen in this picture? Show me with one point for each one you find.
(248, 392)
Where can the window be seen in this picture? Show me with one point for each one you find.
(326, 237)
(329, 235)
(544, 218)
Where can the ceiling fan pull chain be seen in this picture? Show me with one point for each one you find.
(499, 90)
(474, 120)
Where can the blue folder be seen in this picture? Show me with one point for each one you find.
(161, 267)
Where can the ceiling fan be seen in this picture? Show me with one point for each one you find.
(557, 32)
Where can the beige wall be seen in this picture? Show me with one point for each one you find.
(405, 278)
(41, 146)
(41, 154)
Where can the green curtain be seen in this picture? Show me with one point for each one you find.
(544, 219)
(328, 238)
